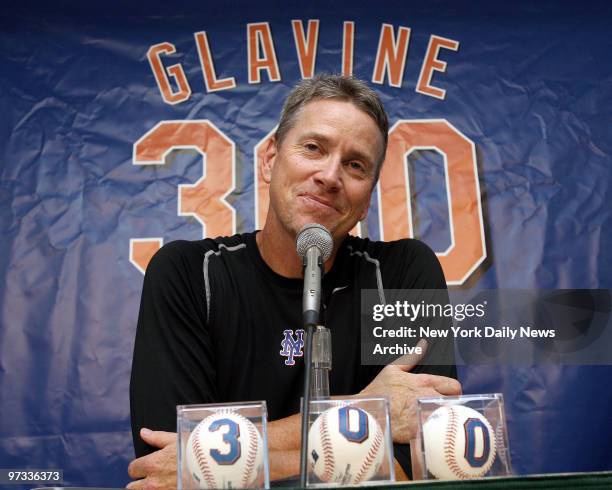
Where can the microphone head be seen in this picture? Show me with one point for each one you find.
(314, 234)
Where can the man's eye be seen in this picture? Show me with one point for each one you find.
(311, 147)
(357, 166)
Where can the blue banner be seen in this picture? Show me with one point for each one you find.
(125, 127)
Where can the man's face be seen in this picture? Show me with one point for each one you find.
(324, 169)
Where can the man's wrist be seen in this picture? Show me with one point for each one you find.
(284, 434)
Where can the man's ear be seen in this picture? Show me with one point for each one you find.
(269, 157)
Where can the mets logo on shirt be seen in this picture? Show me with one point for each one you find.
(292, 345)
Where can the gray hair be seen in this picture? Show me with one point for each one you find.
(338, 87)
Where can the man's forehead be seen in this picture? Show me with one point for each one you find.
(323, 117)
(332, 107)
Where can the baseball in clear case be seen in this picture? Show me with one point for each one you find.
(349, 443)
(460, 438)
(222, 446)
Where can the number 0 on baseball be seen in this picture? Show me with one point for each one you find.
(459, 443)
(346, 445)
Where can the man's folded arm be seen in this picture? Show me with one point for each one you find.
(173, 362)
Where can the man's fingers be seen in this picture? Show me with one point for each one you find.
(135, 485)
(136, 469)
(407, 362)
(140, 467)
(443, 385)
(155, 467)
(157, 438)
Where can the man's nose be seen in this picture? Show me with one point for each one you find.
(330, 173)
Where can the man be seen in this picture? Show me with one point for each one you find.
(217, 315)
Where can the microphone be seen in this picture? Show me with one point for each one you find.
(314, 245)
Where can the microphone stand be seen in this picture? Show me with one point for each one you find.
(306, 404)
(314, 245)
(311, 318)
(320, 366)
(321, 363)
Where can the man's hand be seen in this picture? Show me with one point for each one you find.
(156, 470)
(404, 388)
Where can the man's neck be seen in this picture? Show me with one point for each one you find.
(277, 249)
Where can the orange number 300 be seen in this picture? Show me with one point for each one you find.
(205, 200)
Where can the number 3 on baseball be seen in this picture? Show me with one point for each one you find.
(230, 438)
(224, 451)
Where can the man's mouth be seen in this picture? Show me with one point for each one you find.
(318, 202)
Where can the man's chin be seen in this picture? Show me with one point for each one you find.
(330, 226)
(337, 229)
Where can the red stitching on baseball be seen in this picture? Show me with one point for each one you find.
(201, 459)
(449, 446)
(328, 451)
(251, 455)
(371, 457)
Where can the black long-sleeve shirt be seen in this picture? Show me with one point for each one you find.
(213, 318)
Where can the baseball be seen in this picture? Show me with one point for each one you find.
(459, 443)
(225, 450)
(345, 445)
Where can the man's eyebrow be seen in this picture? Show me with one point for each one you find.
(315, 135)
